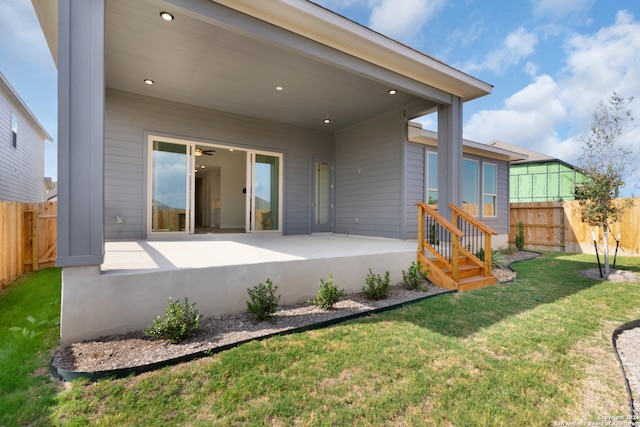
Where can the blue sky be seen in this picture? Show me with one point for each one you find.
(550, 62)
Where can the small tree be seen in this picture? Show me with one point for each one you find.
(603, 163)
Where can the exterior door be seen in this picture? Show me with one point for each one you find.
(264, 199)
(322, 195)
(170, 183)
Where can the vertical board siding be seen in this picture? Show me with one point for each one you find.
(369, 178)
(21, 168)
(558, 226)
(129, 117)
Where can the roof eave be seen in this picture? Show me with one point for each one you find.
(4, 83)
(331, 29)
(429, 137)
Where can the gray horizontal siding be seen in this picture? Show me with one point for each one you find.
(500, 223)
(21, 168)
(368, 178)
(415, 184)
(129, 117)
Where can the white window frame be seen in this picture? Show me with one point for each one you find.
(13, 136)
(478, 180)
(485, 194)
(430, 189)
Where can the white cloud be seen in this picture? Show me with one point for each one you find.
(516, 46)
(559, 9)
(528, 119)
(403, 19)
(599, 63)
(596, 64)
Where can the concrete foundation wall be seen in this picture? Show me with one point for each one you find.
(96, 304)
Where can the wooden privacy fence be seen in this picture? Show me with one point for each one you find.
(28, 235)
(557, 226)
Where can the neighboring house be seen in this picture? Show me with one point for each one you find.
(485, 170)
(295, 119)
(22, 140)
(51, 190)
(540, 178)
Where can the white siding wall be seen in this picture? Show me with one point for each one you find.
(128, 117)
(21, 168)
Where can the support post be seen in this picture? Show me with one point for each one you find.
(81, 97)
(449, 156)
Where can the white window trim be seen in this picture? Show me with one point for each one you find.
(428, 188)
(478, 181)
(495, 195)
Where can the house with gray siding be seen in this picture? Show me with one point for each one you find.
(273, 119)
(485, 183)
(22, 140)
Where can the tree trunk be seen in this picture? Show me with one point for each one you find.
(605, 250)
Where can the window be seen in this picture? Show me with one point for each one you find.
(470, 171)
(489, 189)
(432, 179)
(14, 131)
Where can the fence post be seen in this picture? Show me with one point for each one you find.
(35, 240)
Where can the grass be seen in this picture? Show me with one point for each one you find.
(533, 352)
(29, 319)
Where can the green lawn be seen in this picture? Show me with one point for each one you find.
(532, 352)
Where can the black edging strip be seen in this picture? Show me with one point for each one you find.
(66, 375)
(614, 342)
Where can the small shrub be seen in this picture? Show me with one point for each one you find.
(497, 257)
(520, 237)
(376, 288)
(414, 277)
(263, 301)
(328, 294)
(179, 322)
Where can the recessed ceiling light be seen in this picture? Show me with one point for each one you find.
(279, 88)
(230, 149)
(392, 91)
(149, 81)
(166, 16)
(327, 121)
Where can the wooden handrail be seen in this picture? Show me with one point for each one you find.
(488, 231)
(441, 220)
(472, 220)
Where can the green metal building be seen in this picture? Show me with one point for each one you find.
(539, 178)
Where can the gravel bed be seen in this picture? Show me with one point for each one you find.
(135, 349)
(628, 345)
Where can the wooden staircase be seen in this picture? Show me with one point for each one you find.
(449, 255)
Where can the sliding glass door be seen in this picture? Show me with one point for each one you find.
(173, 164)
(170, 187)
(264, 192)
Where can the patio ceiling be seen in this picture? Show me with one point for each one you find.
(197, 60)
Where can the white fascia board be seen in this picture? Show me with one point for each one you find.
(428, 137)
(324, 26)
(47, 13)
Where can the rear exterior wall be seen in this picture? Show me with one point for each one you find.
(129, 118)
(415, 188)
(369, 178)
